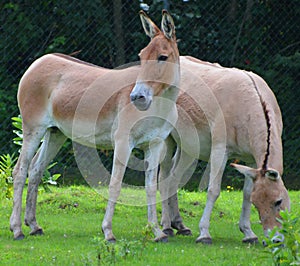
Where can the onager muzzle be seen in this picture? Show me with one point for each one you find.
(141, 96)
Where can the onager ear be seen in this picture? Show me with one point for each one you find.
(245, 170)
(272, 174)
(167, 25)
(149, 27)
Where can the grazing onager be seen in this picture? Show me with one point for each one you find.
(235, 115)
(61, 97)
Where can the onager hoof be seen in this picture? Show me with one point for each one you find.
(37, 232)
(162, 239)
(111, 240)
(204, 240)
(181, 229)
(109, 236)
(19, 236)
(184, 232)
(169, 232)
(250, 240)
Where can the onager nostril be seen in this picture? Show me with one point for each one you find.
(139, 97)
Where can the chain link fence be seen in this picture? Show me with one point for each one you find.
(257, 35)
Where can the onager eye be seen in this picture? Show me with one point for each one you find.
(162, 58)
(278, 203)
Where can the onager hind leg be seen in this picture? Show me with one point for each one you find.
(164, 183)
(171, 173)
(52, 143)
(217, 162)
(180, 167)
(31, 142)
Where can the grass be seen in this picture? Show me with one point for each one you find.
(71, 218)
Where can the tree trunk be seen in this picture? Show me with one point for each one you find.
(232, 10)
(119, 34)
(246, 18)
(248, 10)
(166, 5)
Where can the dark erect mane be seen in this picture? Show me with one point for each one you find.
(268, 123)
(266, 112)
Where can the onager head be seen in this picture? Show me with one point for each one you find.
(269, 194)
(159, 62)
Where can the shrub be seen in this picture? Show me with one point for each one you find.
(6, 182)
(288, 251)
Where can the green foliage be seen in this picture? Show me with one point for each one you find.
(111, 254)
(6, 182)
(286, 252)
(147, 234)
(56, 43)
(49, 179)
(17, 123)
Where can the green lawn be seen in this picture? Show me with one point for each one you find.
(71, 218)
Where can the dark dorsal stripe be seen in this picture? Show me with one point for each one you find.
(268, 123)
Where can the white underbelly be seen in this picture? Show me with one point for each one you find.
(103, 134)
(88, 134)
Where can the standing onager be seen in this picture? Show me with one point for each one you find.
(60, 97)
(236, 115)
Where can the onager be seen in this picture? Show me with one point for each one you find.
(235, 116)
(61, 97)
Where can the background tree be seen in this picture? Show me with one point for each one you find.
(257, 35)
